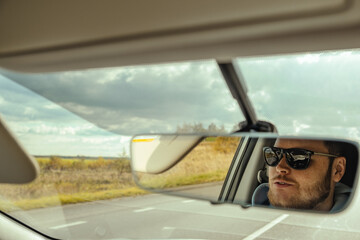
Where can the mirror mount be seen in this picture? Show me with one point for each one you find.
(236, 84)
(259, 126)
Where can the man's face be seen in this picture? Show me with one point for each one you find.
(305, 189)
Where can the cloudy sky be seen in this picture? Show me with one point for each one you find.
(124, 101)
(308, 93)
(300, 94)
(45, 128)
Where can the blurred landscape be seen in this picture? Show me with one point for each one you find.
(75, 180)
(207, 162)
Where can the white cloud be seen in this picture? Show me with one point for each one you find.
(354, 133)
(67, 140)
(308, 58)
(109, 75)
(260, 95)
(299, 127)
(51, 106)
(74, 146)
(30, 111)
(232, 107)
(346, 54)
(83, 110)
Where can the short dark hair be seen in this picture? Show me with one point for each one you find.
(350, 153)
(335, 147)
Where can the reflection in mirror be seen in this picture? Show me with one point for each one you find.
(249, 169)
(201, 172)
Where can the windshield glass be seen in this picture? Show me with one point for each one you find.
(80, 139)
(142, 99)
(85, 188)
(311, 93)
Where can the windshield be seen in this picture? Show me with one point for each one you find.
(78, 126)
(142, 99)
(85, 188)
(311, 93)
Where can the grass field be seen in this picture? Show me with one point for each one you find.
(69, 181)
(207, 162)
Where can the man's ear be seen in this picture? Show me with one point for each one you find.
(339, 166)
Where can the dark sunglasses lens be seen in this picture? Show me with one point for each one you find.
(271, 158)
(298, 159)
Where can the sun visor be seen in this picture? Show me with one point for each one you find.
(16, 165)
(148, 153)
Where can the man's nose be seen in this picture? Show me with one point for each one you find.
(283, 167)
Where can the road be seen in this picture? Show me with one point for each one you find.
(158, 216)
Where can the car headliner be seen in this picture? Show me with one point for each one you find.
(36, 37)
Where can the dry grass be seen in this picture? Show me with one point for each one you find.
(65, 181)
(207, 162)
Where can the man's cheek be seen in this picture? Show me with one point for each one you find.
(271, 172)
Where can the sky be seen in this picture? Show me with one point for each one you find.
(45, 128)
(96, 112)
(121, 101)
(314, 93)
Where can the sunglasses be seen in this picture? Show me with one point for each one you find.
(296, 158)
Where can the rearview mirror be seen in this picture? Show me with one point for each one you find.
(249, 169)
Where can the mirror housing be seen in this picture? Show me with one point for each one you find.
(231, 169)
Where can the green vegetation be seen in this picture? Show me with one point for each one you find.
(199, 128)
(76, 180)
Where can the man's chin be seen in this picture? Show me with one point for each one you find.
(289, 202)
(280, 203)
(282, 200)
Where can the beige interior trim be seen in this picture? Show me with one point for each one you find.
(69, 35)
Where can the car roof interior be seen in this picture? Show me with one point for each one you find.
(46, 36)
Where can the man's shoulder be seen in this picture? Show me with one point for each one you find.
(341, 195)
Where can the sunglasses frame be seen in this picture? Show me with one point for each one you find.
(285, 151)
